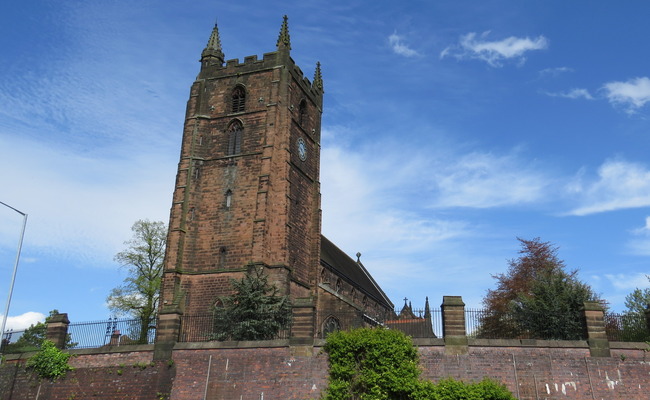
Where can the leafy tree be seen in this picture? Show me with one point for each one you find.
(143, 257)
(255, 311)
(522, 294)
(553, 307)
(638, 301)
(33, 337)
(634, 325)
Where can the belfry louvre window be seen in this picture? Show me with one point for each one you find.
(302, 114)
(238, 99)
(234, 138)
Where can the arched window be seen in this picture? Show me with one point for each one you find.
(234, 138)
(302, 116)
(238, 99)
(331, 325)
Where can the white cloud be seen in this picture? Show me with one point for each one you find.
(630, 95)
(494, 52)
(573, 94)
(398, 46)
(24, 321)
(620, 184)
(628, 282)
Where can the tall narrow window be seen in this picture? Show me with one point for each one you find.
(234, 138)
(238, 99)
(302, 110)
(228, 198)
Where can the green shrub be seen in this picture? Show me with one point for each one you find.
(375, 364)
(380, 364)
(49, 362)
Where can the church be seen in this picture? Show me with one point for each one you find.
(247, 195)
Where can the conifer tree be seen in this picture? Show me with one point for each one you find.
(256, 311)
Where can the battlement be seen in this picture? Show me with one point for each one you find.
(253, 64)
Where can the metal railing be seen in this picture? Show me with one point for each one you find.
(483, 324)
(628, 327)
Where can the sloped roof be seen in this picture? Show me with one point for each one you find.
(352, 271)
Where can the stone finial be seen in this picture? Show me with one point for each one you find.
(213, 48)
(318, 78)
(284, 41)
(358, 257)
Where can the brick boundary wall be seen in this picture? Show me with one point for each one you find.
(274, 370)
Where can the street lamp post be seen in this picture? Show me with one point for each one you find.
(13, 275)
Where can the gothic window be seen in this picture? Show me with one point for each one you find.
(234, 138)
(338, 285)
(302, 113)
(331, 325)
(238, 99)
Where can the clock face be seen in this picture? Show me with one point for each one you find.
(302, 149)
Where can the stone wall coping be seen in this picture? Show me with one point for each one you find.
(628, 345)
(252, 344)
(528, 343)
(428, 341)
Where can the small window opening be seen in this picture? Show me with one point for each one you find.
(228, 199)
(222, 257)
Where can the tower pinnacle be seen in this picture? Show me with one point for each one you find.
(318, 78)
(284, 41)
(213, 48)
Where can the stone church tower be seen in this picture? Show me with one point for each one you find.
(247, 191)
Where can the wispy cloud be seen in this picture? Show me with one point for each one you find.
(484, 180)
(554, 72)
(494, 52)
(573, 94)
(619, 184)
(628, 282)
(398, 46)
(630, 95)
(640, 243)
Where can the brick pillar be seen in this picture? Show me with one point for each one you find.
(595, 325)
(57, 329)
(167, 332)
(453, 325)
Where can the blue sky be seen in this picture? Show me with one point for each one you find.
(450, 128)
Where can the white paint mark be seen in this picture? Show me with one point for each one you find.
(572, 384)
(227, 361)
(262, 396)
(555, 386)
(548, 389)
(563, 389)
(313, 387)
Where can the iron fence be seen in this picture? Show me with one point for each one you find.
(11, 343)
(114, 332)
(628, 327)
(483, 324)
